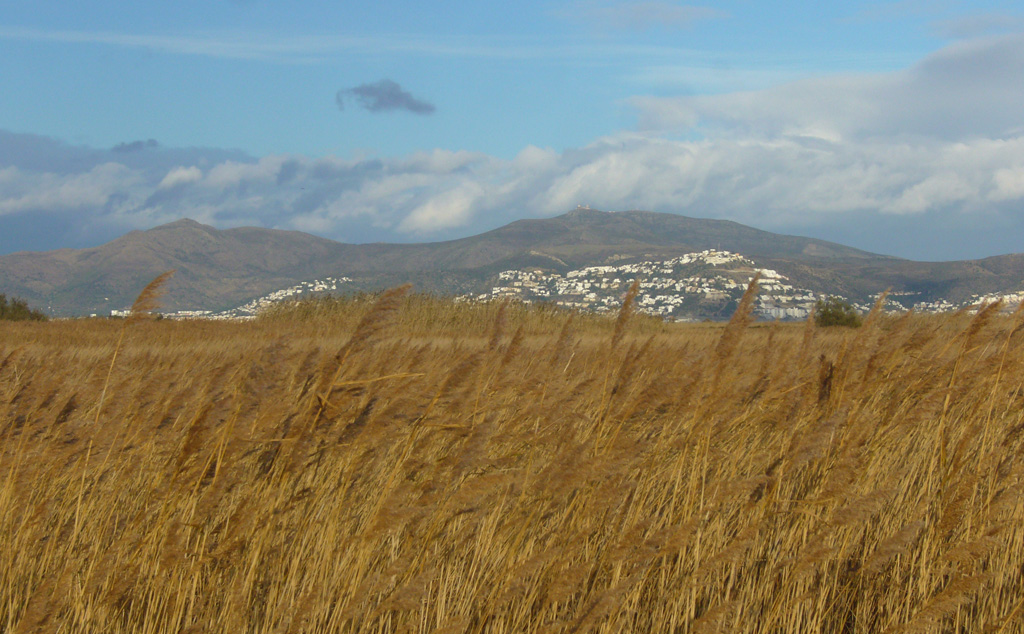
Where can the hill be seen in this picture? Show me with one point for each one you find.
(220, 269)
(215, 267)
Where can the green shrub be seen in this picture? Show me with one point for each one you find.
(836, 312)
(15, 309)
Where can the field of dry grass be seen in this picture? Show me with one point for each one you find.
(412, 466)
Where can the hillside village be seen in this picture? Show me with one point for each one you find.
(690, 287)
(681, 288)
(250, 309)
(253, 308)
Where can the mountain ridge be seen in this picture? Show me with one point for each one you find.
(220, 268)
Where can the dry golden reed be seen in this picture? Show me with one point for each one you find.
(397, 463)
(147, 301)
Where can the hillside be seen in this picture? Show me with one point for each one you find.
(221, 269)
(584, 236)
(214, 267)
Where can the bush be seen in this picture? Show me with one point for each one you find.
(836, 312)
(16, 309)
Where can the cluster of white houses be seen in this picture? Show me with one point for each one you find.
(682, 288)
(689, 285)
(302, 288)
(901, 301)
(679, 288)
(1009, 299)
(251, 309)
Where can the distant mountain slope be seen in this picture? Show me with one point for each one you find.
(582, 235)
(213, 266)
(590, 228)
(220, 269)
(956, 281)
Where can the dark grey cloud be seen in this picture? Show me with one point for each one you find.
(135, 146)
(383, 96)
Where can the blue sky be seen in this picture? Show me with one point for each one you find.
(893, 126)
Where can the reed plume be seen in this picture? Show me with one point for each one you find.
(625, 311)
(147, 301)
(739, 321)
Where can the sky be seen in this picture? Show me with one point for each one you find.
(895, 127)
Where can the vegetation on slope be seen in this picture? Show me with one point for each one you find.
(836, 312)
(15, 309)
(360, 474)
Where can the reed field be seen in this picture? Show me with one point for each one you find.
(404, 464)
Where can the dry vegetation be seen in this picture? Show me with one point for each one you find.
(412, 466)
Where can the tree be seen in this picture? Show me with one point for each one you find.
(15, 309)
(836, 312)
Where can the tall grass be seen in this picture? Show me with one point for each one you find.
(399, 464)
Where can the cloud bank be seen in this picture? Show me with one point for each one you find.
(383, 96)
(966, 90)
(896, 163)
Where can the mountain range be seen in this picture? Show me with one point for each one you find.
(220, 269)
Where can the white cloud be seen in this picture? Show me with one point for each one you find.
(532, 157)
(233, 173)
(450, 208)
(936, 191)
(22, 191)
(1009, 183)
(775, 183)
(181, 176)
(965, 90)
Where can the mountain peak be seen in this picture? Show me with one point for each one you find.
(184, 223)
(584, 211)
